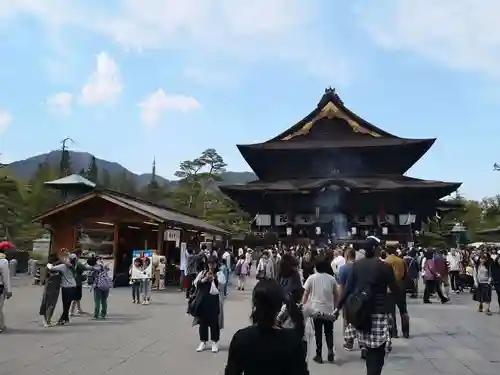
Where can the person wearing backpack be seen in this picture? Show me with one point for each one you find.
(102, 284)
(365, 302)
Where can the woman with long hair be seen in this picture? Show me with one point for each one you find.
(208, 311)
(68, 286)
(482, 283)
(263, 348)
(51, 292)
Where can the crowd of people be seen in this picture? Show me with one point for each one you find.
(300, 293)
(303, 286)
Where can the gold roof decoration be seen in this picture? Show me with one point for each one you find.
(330, 111)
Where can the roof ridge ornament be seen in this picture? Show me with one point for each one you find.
(332, 93)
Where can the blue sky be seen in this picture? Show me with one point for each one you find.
(132, 79)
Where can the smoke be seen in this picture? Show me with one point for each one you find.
(328, 202)
(335, 164)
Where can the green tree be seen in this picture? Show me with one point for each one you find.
(92, 172)
(125, 183)
(106, 180)
(10, 204)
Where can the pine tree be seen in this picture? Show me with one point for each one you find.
(93, 171)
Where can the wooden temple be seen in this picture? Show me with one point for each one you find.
(334, 175)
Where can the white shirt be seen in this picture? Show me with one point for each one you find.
(320, 287)
(227, 257)
(337, 262)
(248, 257)
(454, 261)
(161, 268)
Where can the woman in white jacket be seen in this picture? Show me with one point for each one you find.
(5, 286)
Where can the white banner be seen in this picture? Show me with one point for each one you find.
(263, 220)
(304, 219)
(387, 219)
(280, 220)
(407, 219)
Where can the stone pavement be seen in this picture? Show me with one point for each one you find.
(159, 339)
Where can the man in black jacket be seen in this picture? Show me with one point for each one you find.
(373, 275)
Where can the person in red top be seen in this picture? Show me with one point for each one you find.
(443, 269)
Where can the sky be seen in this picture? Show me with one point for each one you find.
(133, 80)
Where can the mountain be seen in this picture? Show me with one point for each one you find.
(24, 169)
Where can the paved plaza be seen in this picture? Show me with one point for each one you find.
(159, 339)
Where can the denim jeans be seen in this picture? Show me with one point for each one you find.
(146, 289)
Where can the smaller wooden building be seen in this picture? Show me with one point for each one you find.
(112, 225)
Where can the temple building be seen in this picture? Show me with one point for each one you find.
(335, 176)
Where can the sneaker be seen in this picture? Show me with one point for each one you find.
(134, 301)
(201, 347)
(318, 359)
(144, 302)
(215, 347)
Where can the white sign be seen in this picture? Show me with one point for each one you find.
(41, 245)
(173, 235)
(183, 256)
(280, 220)
(263, 220)
(304, 219)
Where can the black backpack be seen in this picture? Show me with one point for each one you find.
(358, 308)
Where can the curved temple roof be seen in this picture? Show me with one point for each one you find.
(369, 183)
(332, 125)
(331, 107)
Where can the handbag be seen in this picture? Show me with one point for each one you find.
(213, 289)
(221, 277)
(193, 304)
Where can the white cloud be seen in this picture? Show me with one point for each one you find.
(5, 120)
(238, 30)
(461, 34)
(158, 102)
(105, 84)
(60, 103)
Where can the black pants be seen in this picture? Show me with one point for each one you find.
(214, 331)
(391, 301)
(414, 288)
(67, 296)
(432, 286)
(455, 281)
(374, 359)
(320, 326)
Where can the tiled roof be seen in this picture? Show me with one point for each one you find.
(163, 213)
(74, 179)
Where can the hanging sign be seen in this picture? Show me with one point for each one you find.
(304, 219)
(173, 235)
(263, 220)
(280, 220)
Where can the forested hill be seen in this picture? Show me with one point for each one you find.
(25, 169)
